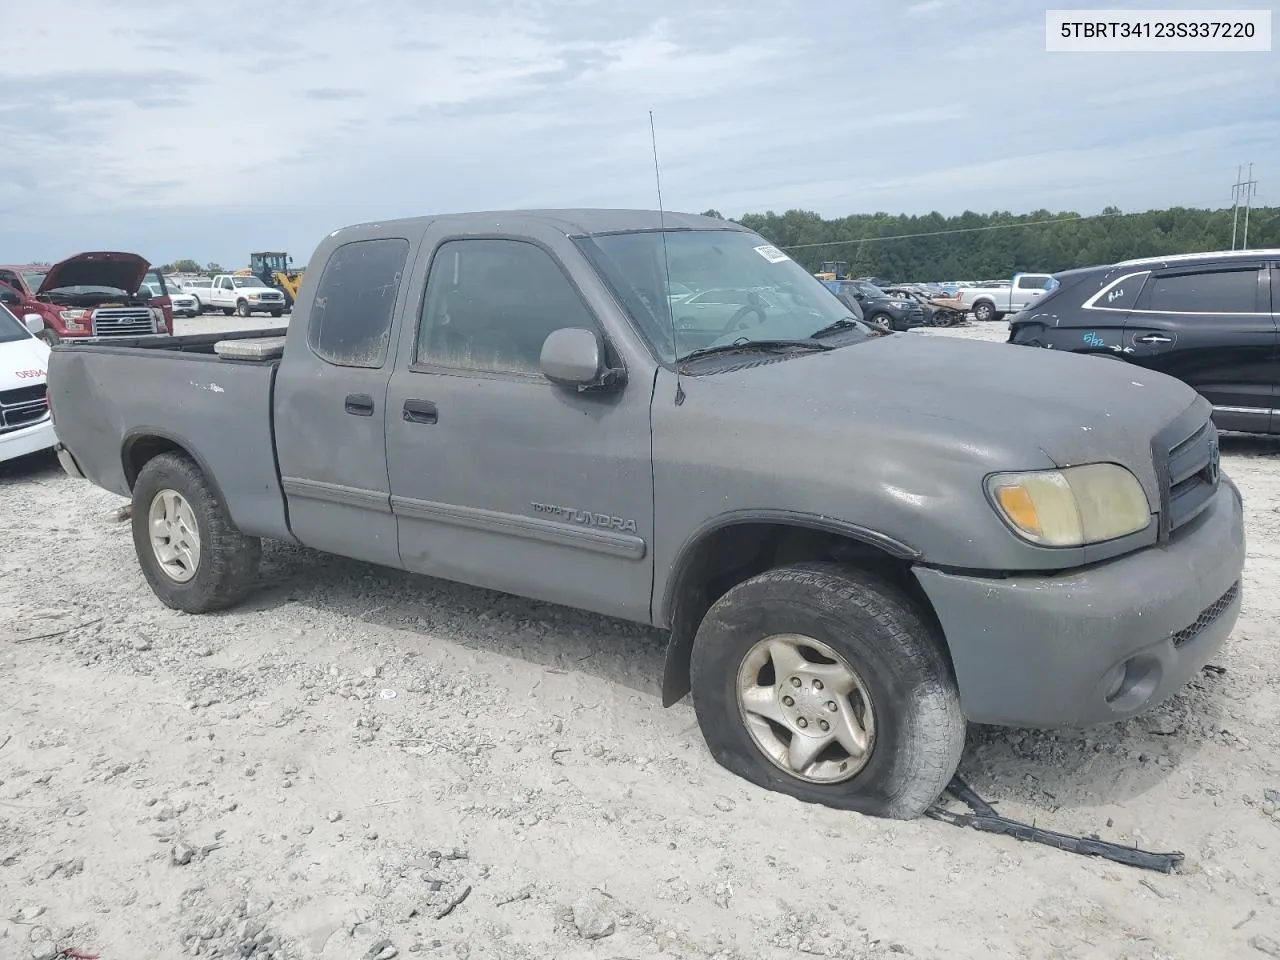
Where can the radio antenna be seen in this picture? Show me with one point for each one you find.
(666, 260)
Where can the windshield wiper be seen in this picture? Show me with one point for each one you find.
(844, 323)
(769, 346)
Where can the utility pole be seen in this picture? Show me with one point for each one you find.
(1243, 189)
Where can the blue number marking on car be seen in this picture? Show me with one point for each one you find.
(1093, 340)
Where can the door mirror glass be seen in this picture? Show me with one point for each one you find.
(571, 356)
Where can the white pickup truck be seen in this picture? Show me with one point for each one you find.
(994, 303)
(243, 296)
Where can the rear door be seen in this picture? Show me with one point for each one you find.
(1211, 326)
(330, 410)
(1027, 289)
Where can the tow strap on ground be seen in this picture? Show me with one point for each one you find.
(985, 818)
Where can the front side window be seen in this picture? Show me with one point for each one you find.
(10, 328)
(355, 300)
(491, 304)
(745, 289)
(1215, 291)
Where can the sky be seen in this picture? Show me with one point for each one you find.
(139, 126)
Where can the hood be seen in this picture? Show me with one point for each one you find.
(124, 271)
(1011, 401)
(23, 357)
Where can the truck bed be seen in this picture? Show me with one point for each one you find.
(114, 402)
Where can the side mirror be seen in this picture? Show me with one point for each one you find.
(574, 357)
(34, 323)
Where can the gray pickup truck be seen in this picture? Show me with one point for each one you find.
(858, 539)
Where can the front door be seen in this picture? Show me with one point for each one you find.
(498, 477)
(1211, 327)
(331, 405)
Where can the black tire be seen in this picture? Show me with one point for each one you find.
(984, 311)
(881, 320)
(277, 314)
(228, 311)
(49, 336)
(242, 308)
(228, 560)
(919, 726)
(199, 306)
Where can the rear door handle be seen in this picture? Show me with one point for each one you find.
(420, 411)
(1153, 338)
(359, 405)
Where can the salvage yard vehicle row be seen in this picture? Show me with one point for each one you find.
(504, 400)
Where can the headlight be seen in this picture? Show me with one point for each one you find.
(71, 316)
(1071, 507)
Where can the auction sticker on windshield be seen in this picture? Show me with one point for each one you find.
(771, 253)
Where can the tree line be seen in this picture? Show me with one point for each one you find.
(975, 246)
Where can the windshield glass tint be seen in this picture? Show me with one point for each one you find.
(33, 280)
(247, 281)
(11, 328)
(724, 287)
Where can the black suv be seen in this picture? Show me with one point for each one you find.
(1209, 319)
(879, 308)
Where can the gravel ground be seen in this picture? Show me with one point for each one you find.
(358, 763)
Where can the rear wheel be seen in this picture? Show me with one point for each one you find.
(191, 554)
(827, 684)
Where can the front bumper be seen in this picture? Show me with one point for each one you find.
(32, 439)
(1097, 644)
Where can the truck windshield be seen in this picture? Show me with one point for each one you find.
(712, 287)
(246, 281)
(33, 280)
(10, 327)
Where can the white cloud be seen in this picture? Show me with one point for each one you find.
(131, 126)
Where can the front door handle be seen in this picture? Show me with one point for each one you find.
(1153, 338)
(420, 411)
(359, 405)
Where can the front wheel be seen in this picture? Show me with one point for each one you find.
(881, 320)
(827, 684)
(191, 554)
(49, 336)
(199, 308)
(242, 308)
(277, 314)
(984, 311)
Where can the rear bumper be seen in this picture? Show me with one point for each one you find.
(1099, 644)
(68, 462)
(32, 439)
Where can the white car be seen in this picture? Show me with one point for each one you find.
(183, 304)
(26, 425)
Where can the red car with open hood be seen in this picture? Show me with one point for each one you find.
(90, 295)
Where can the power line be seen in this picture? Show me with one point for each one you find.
(943, 233)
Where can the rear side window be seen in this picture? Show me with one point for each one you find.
(1213, 291)
(350, 323)
(1034, 283)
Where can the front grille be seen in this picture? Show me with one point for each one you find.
(123, 322)
(22, 407)
(1187, 466)
(272, 296)
(1207, 616)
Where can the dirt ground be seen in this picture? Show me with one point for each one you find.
(359, 763)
